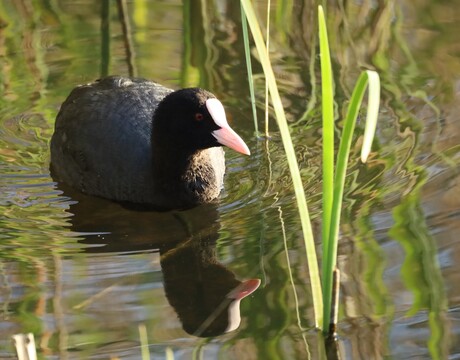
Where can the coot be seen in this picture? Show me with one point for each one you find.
(132, 140)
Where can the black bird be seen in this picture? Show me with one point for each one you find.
(132, 140)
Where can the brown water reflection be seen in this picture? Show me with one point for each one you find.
(205, 295)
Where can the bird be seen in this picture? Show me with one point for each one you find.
(134, 141)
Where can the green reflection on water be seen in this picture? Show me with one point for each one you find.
(420, 270)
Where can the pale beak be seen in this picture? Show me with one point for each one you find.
(225, 135)
(240, 292)
(244, 289)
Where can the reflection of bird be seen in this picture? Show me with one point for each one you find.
(205, 294)
(136, 141)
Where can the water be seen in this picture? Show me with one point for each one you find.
(87, 276)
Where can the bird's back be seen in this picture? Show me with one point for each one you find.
(102, 139)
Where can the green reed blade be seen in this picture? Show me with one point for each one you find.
(327, 92)
(330, 257)
(267, 39)
(372, 113)
(329, 263)
(247, 52)
(292, 162)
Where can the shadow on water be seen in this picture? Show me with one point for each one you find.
(203, 292)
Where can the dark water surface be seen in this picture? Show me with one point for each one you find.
(87, 276)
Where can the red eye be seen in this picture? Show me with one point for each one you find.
(199, 116)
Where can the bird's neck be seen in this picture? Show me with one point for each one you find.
(174, 164)
(187, 175)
